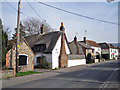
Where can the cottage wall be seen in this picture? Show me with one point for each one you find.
(97, 49)
(113, 53)
(23, 50)
(48, 58)
(56, 53)
(88, 51)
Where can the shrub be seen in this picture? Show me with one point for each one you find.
(43, 64)
(64, 66)
(55, 68)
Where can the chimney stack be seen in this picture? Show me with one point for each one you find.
(62, 27)
(75, 39)
(42, 28)
(85, 40)
(63, 59)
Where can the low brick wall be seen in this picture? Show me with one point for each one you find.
(7, 74)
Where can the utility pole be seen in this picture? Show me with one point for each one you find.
(18, 38)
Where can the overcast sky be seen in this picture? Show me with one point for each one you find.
(96, 31)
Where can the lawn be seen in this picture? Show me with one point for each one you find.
(26, 73)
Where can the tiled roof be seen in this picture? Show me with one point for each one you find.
(93, 43)
(32, 39)
(73, 48)
(106, 45)
(112, 46)
(87, 46)
(49, 39)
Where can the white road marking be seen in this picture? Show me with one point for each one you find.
(81, 74)
(108, 79)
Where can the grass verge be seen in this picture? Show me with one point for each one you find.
(26, 73)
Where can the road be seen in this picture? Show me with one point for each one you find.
(98, 75)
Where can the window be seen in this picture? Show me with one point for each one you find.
(40, 59)
(22, 60)
(104, 45)
(40, 48)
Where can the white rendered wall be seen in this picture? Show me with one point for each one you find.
(66, 47)
(97, 49)
(117, 52)
(112, 50)
(76, 62)
(48, 58)
(96, 60)
(56, 53)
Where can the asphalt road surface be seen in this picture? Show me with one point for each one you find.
(100, 75)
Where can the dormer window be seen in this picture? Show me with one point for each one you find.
(40, 48)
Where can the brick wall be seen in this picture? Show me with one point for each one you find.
(25, 50)
(63, 59)
(7, 74)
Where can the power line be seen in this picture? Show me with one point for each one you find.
(12, 7)
(33, 9)
(76, 13)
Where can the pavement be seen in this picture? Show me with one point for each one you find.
(97, 75)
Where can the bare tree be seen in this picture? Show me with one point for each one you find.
(8, 31)
(32, 26)
(21, 31)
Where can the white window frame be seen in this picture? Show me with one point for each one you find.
(25, 55)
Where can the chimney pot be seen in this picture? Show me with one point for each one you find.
(75, 39)
(62, 27)
(85, 40)
(42, 29)
(61, 23)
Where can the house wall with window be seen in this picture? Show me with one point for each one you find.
(97, 50)
(56, 53)
(87, 51)
(113, 53)
(52, 58)
(39, 57)
(26, 57)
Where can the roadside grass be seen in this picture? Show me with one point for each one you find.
(9, 77)
(26, 73)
